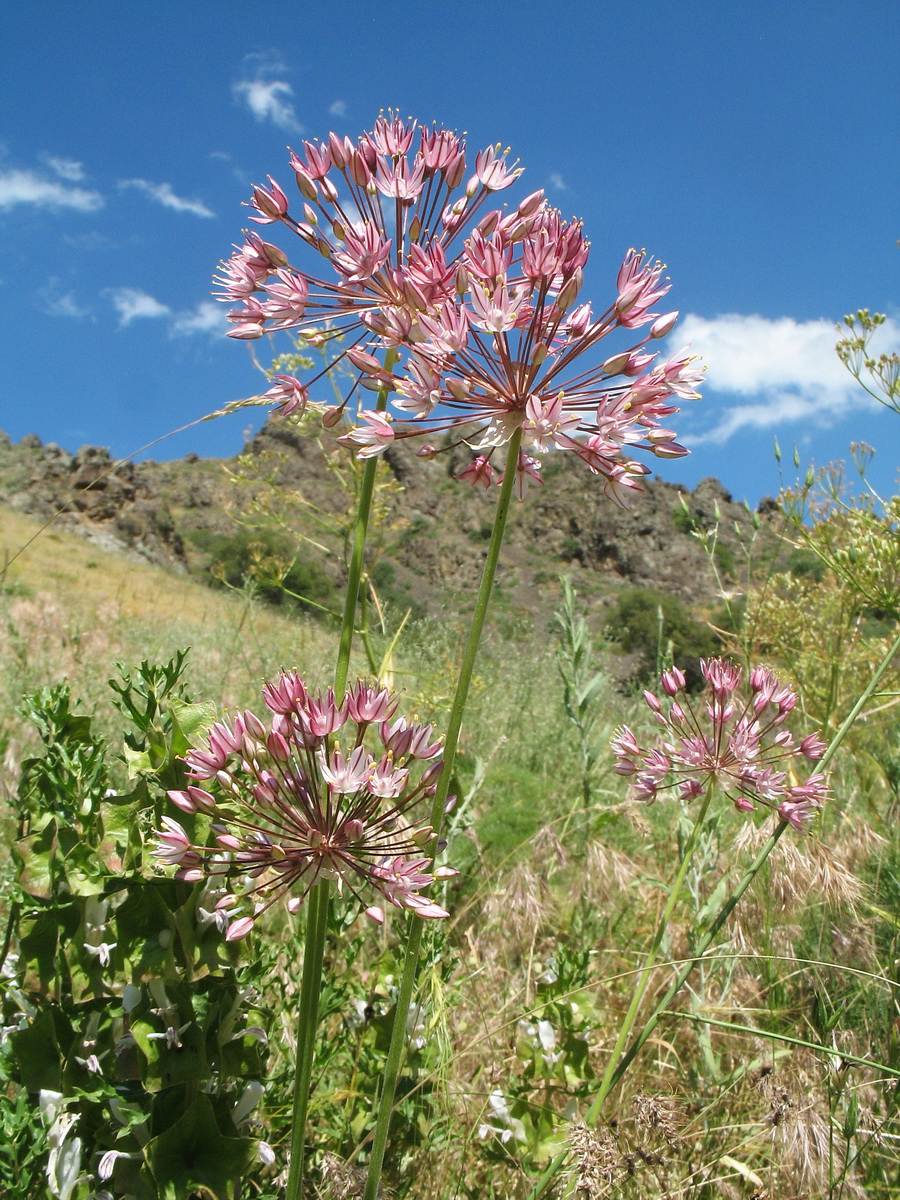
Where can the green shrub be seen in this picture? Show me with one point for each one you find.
(803, 564)
(647, 622)
(270, 561)
(396, 595)
(724, 557)
(684, 520)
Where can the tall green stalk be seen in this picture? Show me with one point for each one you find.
(357, 554)
(318, 902)
(722, 916)
(310, 987)
(414, 942)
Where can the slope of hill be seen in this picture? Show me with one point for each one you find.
(286, 496)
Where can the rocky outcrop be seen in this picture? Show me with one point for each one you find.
(108, 502)
(436, 530)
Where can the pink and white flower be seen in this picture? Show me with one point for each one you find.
(292, 807)
(477, 307)
(732, 739)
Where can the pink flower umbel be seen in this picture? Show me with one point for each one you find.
(322, 791)
(478, 309)
(732, 739)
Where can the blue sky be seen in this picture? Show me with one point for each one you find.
(752, 148)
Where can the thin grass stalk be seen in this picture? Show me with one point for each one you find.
(310, 987)
(722, 916)
(644, 979)
(416, 927)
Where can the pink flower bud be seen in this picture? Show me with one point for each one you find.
(813, 746)
(663, 325)
(672, 682)
(616, 364)
(332, 417)
(529, 206)
(238, 929)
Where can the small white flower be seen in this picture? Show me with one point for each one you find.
(250, 1097)
(101, 951)
(107, 1163)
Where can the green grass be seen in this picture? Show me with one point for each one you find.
(547, 924)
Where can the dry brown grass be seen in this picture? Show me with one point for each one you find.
(71, 609)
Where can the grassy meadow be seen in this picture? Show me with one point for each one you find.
(775, 1071)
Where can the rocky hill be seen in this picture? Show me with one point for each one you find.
(292, 482)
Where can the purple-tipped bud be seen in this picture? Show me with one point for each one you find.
(278, 747)
(432, 773)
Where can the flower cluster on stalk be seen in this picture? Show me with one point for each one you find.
(737, 743)
(474, 310)
(303, 798)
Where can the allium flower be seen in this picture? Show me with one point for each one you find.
(304, 798)
(380, 217)
(477, 310)
(734, 741)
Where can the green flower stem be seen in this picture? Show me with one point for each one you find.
(357, 555)
(721, 917)
(310, 986)
(411, 960)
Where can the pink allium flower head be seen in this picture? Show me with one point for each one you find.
(290, 806)
(728, 740)
(479, 307)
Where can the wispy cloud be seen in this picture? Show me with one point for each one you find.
(162, 193)
(338, 108)
(132, 304)
(776, 372)
(208, 317)
(28, 187)
(57, 303)
(65, 168)
(557, 182)
(266, 92)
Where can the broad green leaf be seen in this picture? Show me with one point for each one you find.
(193, 1154)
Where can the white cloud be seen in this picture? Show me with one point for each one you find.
(338, 108)
(208, 317)
(269, 100)
(131, 303)
(27, 187)
(56, 303)
(777, 371)
(557, 181)
(65, 168)
(162, 193)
